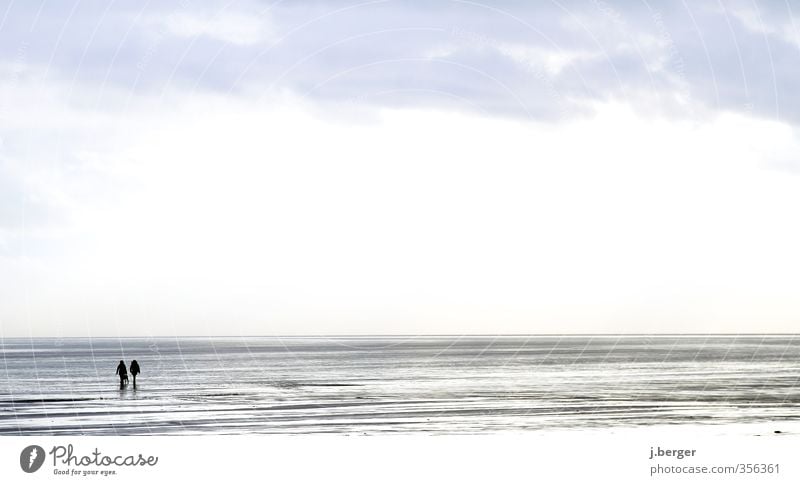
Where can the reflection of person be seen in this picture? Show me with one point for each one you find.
(134, 370)
(123, 374)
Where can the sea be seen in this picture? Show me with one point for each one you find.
(399, 384)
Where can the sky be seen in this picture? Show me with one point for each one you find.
(398, 167)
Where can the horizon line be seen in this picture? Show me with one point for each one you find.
(469, 335)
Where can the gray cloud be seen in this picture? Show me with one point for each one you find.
(541, 61)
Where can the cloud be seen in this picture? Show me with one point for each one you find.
(233, 27)
(224, 210)
(194, 157)
(533, 60)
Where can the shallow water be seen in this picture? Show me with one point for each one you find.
(394, 384)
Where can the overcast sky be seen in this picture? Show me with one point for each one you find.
(399, 167)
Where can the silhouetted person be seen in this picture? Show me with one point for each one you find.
(134, 370)
(123, 374)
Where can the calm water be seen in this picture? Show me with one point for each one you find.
(402, 384)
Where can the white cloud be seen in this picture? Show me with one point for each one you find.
(234, 27)
(272, 220)
(246, 209)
